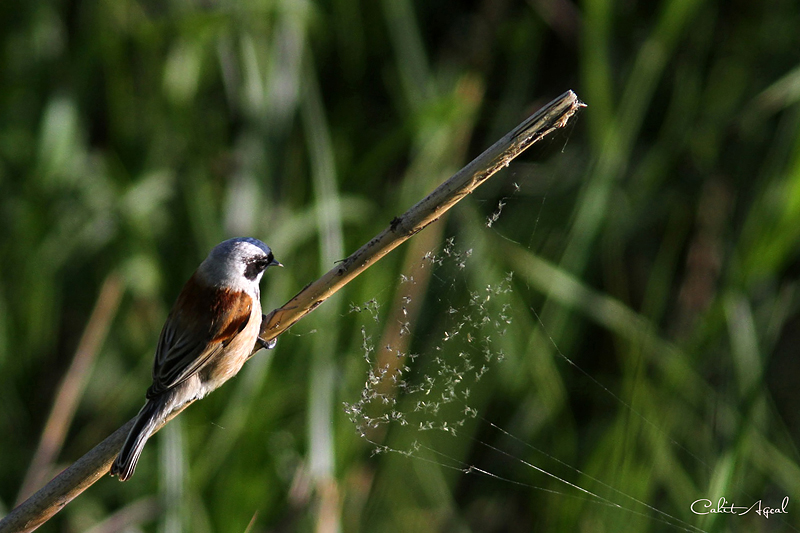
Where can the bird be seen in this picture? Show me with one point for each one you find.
(210, 332)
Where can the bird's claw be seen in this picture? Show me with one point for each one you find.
(268, 345)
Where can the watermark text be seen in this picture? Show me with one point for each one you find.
(723, 506)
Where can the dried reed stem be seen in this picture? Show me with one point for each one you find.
(37, 509)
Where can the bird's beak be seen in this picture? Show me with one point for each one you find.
(275, 263)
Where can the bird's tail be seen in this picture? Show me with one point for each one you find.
(143, 427)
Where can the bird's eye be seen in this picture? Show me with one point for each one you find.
(255, 267)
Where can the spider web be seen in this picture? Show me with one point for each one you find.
(416, 393)
(429, 385)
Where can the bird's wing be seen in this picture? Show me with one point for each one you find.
(200, 325)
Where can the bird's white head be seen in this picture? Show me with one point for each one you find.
(237, 264)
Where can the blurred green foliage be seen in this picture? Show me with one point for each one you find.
(656, 243)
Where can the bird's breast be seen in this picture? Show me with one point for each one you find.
(234, 352)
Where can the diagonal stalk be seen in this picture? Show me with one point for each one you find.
(37, 509)
(551, 117)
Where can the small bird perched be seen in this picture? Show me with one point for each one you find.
(209, 334)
